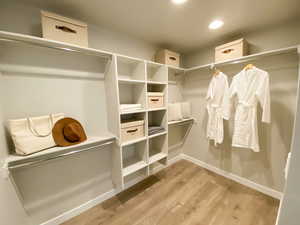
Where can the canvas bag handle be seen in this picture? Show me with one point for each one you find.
(35, 132)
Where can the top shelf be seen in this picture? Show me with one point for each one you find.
(247, 58)
(42, 42)
(9, 36)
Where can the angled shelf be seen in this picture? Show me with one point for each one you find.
(157, 157)
(181, 121)
(158, 134)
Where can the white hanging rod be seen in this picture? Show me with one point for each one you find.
(42, 42)
(247, 58)
(39, 161)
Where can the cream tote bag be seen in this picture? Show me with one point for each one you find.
(34, 134)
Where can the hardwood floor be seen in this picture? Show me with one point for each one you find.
(184, 194)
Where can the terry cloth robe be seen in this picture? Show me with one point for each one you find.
(217, 89)
(250, 87)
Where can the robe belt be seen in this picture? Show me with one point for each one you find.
(247, 105)
(215, 106)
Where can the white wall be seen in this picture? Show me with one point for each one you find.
(49, 190)
(289, 211)
(266, 167)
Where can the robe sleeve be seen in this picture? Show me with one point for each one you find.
(209, 94)
(263, 95)
(228, 99)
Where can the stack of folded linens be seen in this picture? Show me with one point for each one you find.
(130, 107)
(155, 129)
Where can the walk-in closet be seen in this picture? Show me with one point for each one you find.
(175, 112)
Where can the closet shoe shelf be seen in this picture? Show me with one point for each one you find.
(133, 168)
(157, 157)
(16, 161)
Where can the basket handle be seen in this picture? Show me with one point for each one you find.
(35, 132)
(65, 29)
(228, 51)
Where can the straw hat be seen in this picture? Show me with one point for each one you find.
(67, 132)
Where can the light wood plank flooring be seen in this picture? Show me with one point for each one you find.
(183, 194)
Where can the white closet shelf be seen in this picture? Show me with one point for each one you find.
(247, 58)
(131, 81)
(42, 42)
(133, 168)
(133, 141)
(157, 82)
(133, 111)
(157, 157)
(181, 121)
(17, 161)
(157, 109)
(158, 134)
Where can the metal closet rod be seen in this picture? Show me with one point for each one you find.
(248, 58)
(27, 164)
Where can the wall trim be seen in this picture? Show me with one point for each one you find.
(258, 187)
(101, 198)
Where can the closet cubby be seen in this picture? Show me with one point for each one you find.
(157, 118)
(130, 70)
(136, 131)
(156, 96)
(134, 157)
(158, 148)
(132, 94)
(136, 176)
(156, 73)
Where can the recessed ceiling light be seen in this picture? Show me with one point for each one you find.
(216, 24)
(178, 2)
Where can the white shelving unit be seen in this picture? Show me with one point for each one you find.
(129, 83)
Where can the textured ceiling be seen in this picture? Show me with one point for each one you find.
(179, 27)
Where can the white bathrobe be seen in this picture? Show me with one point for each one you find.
(217, 89)
(250, 87)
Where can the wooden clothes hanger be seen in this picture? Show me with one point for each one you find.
(249, 67)
(216, 73)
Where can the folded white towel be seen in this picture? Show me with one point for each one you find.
(130, 106)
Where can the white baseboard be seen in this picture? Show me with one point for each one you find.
(90, 204)
(84, 207)
(231, 176)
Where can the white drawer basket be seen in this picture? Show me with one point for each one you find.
(155, 100)
(63, 29)
(132, 130)
(232, 50)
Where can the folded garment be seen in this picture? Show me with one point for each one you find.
(155, 129)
